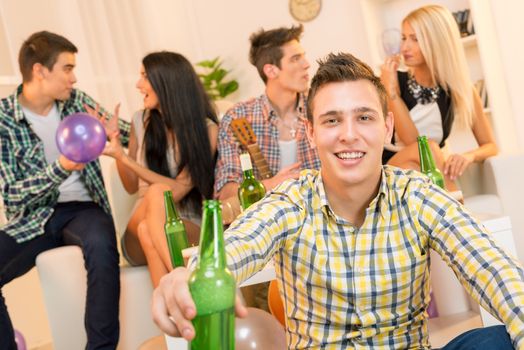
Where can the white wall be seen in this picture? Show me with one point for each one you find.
(227, 34)
(509, 27)
(113, 36)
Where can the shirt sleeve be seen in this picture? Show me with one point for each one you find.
(261, 231)
(20, 193)
(228, 163)
(491, 276)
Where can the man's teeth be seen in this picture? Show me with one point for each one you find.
(350, 155)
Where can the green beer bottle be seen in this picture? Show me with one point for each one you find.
(212, 287)
(428, 167)
(427, 163)
(251, 190)
(175, 231)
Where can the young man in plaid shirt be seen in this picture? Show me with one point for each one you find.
(277, 116)
(50, 200)
(351, 242)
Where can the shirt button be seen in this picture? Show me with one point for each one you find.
(351, 229)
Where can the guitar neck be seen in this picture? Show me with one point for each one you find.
(259, 160)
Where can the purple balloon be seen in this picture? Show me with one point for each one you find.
(20, 341)
(80, 137)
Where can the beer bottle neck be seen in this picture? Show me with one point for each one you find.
(427, 163)
(248, 174)
(212, 252)
(169, 204)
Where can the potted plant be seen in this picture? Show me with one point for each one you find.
(212, 76)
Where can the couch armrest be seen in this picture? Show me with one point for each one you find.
(504, 175)
(121, 202)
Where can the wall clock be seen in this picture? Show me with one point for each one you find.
(304, 10)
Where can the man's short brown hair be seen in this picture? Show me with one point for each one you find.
(42, 47)
(266, 46)
(342, 67)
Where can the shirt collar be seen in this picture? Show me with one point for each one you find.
(324, 203)
(300, 107)
(319, 185)
(380, 200)
(17, 107)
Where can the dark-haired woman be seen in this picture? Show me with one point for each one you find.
(172, 147)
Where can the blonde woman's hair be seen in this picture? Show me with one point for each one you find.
(439, 41)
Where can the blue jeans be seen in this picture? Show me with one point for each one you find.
(86, 225)
(489, 338)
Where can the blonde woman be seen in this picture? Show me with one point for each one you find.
(434, 95)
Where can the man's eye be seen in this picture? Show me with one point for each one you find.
(365, 117)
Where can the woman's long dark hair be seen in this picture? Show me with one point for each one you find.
(185, 107)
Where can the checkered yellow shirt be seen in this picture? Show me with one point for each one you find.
(348, 287)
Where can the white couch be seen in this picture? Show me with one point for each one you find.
(494, 186)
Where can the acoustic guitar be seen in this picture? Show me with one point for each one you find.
(245, 135)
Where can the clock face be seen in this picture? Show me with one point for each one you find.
(304, 10)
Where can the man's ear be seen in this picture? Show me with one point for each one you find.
(309, 133)
(39, 71)
(271, 71)
(390, 127)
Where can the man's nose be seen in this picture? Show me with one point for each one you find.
(348, 131)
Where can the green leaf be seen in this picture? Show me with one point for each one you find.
(208, 63)
(218, 75)
(213, 79)
(228, 88)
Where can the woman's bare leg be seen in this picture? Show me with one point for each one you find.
(151, 234)
(155, 220)
(155, 265)
(131, 241)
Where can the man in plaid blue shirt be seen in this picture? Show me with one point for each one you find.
(50, 200)
(351, 242)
